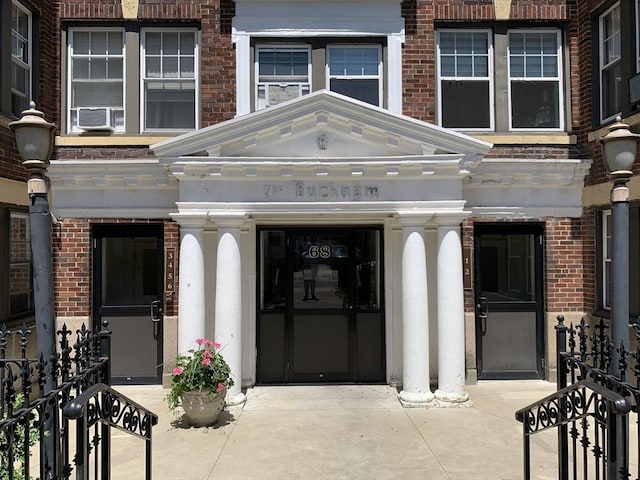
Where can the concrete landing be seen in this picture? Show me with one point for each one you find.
(343, 432)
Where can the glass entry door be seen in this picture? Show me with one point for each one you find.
(509, 305)
(320, 316)
(127, 280)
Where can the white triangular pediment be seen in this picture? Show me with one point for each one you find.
(320, 125)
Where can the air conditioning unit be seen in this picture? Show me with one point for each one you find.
(94, 118)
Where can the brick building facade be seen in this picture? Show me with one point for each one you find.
(430, 155)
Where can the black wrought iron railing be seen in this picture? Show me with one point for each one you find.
(592, 408)
(64, 432)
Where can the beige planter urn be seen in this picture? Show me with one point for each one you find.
(202, 408)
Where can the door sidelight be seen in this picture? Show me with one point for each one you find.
(482, 309)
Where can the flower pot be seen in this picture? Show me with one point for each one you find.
(201, 408)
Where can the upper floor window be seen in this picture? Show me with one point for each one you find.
(534, 80)
(96, 87)
(610, 63)
(465, 79)
(108, 89)
(355, 71)
(169, 80)
(513, 79)
(284, 72)
(21, 58)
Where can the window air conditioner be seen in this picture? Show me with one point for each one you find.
(94, 118)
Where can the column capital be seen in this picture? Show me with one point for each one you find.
(451, 219)
(228, 219)
(414, 218)
(190, 219)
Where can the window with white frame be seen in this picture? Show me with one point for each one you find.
(610, 63)
(465, 78)
(355, 71)
(283, 73)
(169, 79)
(535, 79)
(21, 58)
(96, 80)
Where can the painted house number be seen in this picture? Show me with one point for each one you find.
(319, 251)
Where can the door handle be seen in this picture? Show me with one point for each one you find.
(483, 310)
(347, 307)
(156, 311)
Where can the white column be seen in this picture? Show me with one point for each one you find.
(228, 309)
(191, 309)
(416, 391)
(451, 368)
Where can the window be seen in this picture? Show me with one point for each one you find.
(535, 80)
(283, 74)
(169, 80)
(16, 295)
(21, 58)
(638, 36)
(102, 73)
(465, 65)
(610, 64)
(96, 67)
(354, 71)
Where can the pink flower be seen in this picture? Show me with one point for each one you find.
(178, 371)
(207, 354)
(220, 387)
(216, 345)
(200, 341)
(208, 342)
(206, 362)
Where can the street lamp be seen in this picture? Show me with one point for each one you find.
(34, 139)
(619, 148)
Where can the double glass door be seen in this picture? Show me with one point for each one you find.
(320, 316)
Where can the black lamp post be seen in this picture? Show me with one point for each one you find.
(34, 139)
(619, 148)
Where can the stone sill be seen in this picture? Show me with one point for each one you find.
(632, 121)
(526, 139)
(108, 140)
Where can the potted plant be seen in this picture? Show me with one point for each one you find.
(199, 384)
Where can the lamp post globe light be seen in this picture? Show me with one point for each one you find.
(619, 149)
(34, 139)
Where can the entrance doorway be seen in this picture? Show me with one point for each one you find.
(509, 301)
(320, 315)
(127, 286)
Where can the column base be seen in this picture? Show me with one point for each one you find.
(415, 400)
(452, 399)
(236, 400)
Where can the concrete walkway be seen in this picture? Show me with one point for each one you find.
(343, 432)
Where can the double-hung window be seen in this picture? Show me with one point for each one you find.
(169, 79)
(606, 240)
(112, 88)
(355, 71)
(535, 80)
(21, 58)
(96, 87)
(610, 63)
(20, 274)
(465, 79)
(284, 73)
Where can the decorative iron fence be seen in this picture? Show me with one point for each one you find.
(592, 406)
(65, 431)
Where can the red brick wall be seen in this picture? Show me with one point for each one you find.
(45, 87)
